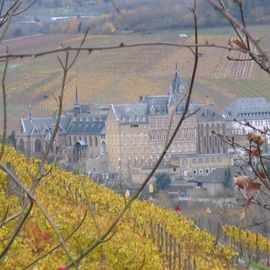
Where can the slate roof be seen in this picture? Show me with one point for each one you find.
(41, 125)
(85, 124)
(80, 143)
(209, 113)
(159, 105)
(248, 108)
(80, 121)
(131, 113)
(218, 175)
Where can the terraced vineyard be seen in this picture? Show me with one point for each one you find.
(122, 75)
(147, 235)
(67, 198)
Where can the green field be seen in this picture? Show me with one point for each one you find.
(122, 75)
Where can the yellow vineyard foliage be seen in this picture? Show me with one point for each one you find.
(66, 198)
(248, 239)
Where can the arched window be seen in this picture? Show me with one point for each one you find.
(69, 140)
(96, 140)
(38, 146)
(90, 141)
(103, 148)
(21, 145)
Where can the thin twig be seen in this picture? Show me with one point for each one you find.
(262, 59)
(99, 241)
(3, 140)
(8, 219)
(7, 19)
(119, 46)
(59, 245)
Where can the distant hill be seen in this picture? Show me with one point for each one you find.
(144, 16)
(149, 15)
(121, 76)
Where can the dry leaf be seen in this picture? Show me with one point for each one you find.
(261, 174)
(244, 182)
(251, 185)
(254, 151)
(240, 44)
(256, 138)
(239, 181)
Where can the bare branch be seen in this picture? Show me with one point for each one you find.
(25, 213)
(8, 219)
(120, 46)
(3, 141)
(134, 197)
(7, 19)
(59, 245)
(262, 59)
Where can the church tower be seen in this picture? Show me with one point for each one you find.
(177, 86)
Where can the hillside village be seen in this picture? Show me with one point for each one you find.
(123, 141)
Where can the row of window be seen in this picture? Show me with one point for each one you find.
(212, 141)
(206, 160)
(185, 147)
(38, 146)
(256, 114)
(182, 134)
(164, 121)
(261, 123)
(203, 171)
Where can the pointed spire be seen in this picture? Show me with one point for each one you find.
(76, 97)
(77, 105)
(30, 111)
(177, 86)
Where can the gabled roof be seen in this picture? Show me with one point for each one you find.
(80, 143)
(240, 107)
(85, 124)
(131, 113)
(48, 136)
(159, 105)
(41, 124)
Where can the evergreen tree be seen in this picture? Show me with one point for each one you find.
(162, 181)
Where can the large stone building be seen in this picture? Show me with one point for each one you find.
(128, 139)
(136, 135)
(254, 110)
(80, 140)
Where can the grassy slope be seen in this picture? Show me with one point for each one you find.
(122, 75)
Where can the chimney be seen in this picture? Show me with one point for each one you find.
(208, 100)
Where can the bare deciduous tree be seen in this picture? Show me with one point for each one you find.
(242, 44)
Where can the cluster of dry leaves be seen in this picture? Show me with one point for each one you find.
(246, 183)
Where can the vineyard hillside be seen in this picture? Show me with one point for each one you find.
(82, 210)
(122, 75)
